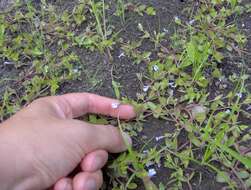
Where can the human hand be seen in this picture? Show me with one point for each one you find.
(42, 144)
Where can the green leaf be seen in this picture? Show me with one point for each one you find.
(194, 139)
(200, 117)
(216, 73)
(54, 86)
(243, 174)
(202, 81)
(177, 20)
(116, 87)
(36, 52)
(161, 186)
(248, 182)
(151, 106)
(150, 11)
(149, 185)
(233, 3)
(243, 159)
(2, 35)
(132, 186)
(222, 177)
(218, 56)
(94, 119)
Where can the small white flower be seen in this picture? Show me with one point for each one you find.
(146, 88)
(166, 30)
(140, 27)
(115, 105)
(243, 25)
(239, 95)
(172, 84)
(121, 55)
(8, 63)
(191, 21)
(176, 18)
(155, 68)
(221, 79)
(248, 108)
(75, 70)
(145, 152)
(228, 111)
(151, 172)
(159, 138)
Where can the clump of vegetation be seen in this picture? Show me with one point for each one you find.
(178, 86)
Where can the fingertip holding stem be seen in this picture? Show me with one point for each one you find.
(123, 111)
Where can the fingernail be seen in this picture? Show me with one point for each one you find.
(67, 186)
(127, 139)
(90, 184)
(98, 162)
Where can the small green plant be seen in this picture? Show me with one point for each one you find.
(120, 10)
(185, 83)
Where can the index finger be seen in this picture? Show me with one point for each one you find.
(77, 104)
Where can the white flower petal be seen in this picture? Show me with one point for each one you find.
(159, 138)
(146, 88)
(115, 105)
(155, 68)
(121, 55)
(239, 95)
(151, 172)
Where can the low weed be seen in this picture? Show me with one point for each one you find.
(186, 83)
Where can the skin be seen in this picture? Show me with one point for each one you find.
(43, 143)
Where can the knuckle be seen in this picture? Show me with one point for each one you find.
(40, 101)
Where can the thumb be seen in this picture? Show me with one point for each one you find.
(106, 137)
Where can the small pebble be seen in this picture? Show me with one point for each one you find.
(151, 172)
(115, 105)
